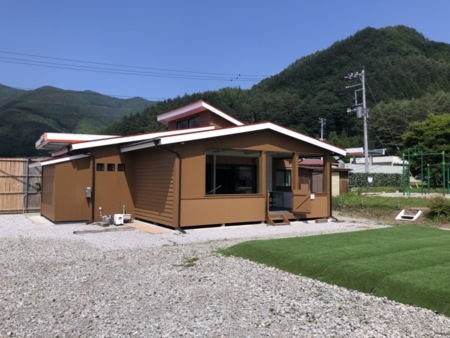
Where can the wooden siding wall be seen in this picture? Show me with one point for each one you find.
(216, 121)
(319, 208)
(199, 209)
(343, 182)
(70, 201)
(19, 186)
(155, 197)
(226, 209)
(113, 189)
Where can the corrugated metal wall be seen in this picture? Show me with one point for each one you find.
(19, 186)
(154, 197)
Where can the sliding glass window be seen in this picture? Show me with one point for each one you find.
(230, 171)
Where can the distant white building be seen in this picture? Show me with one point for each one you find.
(377, 164)
(375, 168)
(380, 160)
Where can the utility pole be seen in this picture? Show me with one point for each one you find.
(361, 109)
(323, 122)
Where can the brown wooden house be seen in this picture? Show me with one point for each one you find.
(314, 168)
(207, 168)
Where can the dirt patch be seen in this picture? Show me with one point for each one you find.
(365, 216)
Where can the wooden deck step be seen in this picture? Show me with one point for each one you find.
(278, 219)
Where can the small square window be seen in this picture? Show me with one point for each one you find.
(100, 167)
(194, 122)
(182, 124)
(121, 167)
(111, 167)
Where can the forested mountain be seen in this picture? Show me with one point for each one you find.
(407, 77)
(26, 114)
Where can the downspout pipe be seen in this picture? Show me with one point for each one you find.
(178, 155)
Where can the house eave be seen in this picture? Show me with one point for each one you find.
(166, 140)
(61, 159)
(56, 141)
(136, 138)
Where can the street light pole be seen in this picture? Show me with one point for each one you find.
(365, 117)
(323, 122)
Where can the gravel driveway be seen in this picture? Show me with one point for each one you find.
(55, 283)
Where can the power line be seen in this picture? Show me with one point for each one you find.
(100, 67)
(125, 66)
(121, 71)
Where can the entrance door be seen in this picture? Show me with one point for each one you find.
(279, 180)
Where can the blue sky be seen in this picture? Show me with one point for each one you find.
(163, 49)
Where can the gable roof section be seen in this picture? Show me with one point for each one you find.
(136, 138)
(194, 108)
(235, 131)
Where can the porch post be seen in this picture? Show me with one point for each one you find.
(295, 184)
(263, 174)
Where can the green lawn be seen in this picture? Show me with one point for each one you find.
(409, 264)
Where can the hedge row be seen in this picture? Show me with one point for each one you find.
(361, 180)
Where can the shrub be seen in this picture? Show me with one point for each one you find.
(440, 208)
(360, 180)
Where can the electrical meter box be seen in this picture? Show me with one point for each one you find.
(88, 192)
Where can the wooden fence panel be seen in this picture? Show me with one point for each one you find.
(19, 186)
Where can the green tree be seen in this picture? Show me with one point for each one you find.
(431, 136)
